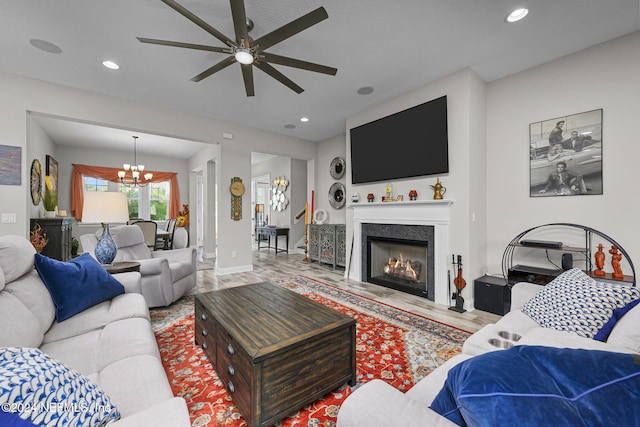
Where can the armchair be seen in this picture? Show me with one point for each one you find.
(165, 275)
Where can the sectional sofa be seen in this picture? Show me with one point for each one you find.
(104, 358)
(547, 339)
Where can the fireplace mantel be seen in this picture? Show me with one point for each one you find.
(435, 213)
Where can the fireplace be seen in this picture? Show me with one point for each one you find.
(419, 221)
(399, 256)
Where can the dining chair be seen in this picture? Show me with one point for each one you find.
(149, 229)
(134, 220)
(165, 242)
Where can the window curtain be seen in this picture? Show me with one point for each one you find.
(111, 174)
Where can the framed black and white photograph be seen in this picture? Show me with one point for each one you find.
(565, 155)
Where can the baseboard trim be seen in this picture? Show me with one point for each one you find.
(232, 270)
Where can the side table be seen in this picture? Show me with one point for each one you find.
(275, 232)
(122, 267)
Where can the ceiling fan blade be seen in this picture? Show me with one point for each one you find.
(296, 63)
(278, 76)
(219, 66)
(185, 45)
(247, 75)
(240, 21)
(199, 22)
(290, 29)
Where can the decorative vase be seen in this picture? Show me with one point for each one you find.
(49, 214)
(106, 248)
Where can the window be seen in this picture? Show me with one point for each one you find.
(133, 199)
(158, 200)
(95, 184)
(150, 202)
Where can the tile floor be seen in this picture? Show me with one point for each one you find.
(268, 266)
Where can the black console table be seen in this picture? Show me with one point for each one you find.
(273, 232)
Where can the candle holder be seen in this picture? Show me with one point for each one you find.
(306, 243)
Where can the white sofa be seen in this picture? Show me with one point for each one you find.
(111, 343)
(166, 275)
(377, 404)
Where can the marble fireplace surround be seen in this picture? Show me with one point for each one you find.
(435, 213)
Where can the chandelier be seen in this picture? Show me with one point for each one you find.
(135, 169)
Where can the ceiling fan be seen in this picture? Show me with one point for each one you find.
(249, 52)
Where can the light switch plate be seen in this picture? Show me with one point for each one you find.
(9, 218)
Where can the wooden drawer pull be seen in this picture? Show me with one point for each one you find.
(231, 370)
(231, 350)
(231, 387)
(204, 333)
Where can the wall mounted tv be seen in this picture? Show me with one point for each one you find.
(410, 143)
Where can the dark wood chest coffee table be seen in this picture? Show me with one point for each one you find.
(275, 350)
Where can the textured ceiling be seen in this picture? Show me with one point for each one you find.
(393, 46)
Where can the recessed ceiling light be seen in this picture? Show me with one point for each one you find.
(365, 90)
(111, 65)
(45, 46)
(289, 126)
(304, 119)
(517, 15)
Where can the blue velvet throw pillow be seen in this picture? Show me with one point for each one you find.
(542, 386)
(76, 285)
(605, 331)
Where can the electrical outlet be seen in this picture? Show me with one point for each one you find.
(234, 254)
(9, 217)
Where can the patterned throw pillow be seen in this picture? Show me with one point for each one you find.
(574, 302)
(47, 393)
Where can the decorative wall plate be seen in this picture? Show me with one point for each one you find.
(337, 197)
(337, 168)
(36, 181)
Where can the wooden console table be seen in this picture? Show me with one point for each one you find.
(274, 232)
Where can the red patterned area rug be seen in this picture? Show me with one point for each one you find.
(391, 344)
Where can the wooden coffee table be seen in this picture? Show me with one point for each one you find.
(275, 350)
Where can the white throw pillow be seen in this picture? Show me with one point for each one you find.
(626, 333)
(48, 393)
(574, 302)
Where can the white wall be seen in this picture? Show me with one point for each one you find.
(465, 105)
(326, 151)
(22, 95)
(605, 76)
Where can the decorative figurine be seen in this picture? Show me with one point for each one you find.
(388, 189)
(370, 197)
(615, 263)
(599, 256)
(355, 198)
(399, 198)
(438, 190)
(413, 194)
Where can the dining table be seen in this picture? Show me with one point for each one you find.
(165, 236)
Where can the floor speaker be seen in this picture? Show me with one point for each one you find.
(492, 294)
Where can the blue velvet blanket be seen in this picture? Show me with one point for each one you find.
(543, 386)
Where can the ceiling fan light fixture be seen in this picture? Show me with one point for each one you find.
(243, 55)
(517, 15)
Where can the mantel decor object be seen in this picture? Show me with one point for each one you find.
(337, 168)
(413, 194)
(438, 190)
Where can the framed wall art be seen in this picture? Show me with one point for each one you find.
(565, 155)
(52, 171)
(10, 165)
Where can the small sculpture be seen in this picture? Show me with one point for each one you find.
(615, 263)
(183, 217)
(413, 194)
(438, 190)
(599, 256)
(38, 238)
(370, 197)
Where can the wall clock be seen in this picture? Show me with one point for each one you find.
(36, 181)
(337, 168)
(237, 190)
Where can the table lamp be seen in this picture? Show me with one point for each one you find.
(105, 207)
(260, 212)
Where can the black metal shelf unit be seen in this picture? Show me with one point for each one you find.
(586, 250)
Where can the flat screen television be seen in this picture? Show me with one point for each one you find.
(410, 143)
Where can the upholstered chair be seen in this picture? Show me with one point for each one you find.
(166, 275)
